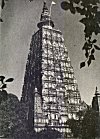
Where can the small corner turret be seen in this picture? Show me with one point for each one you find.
(96, 101)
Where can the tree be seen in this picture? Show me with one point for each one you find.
(76, 124)
(3, 86)
(75, 127)
(8, 115)
(91, 125)
(20, 128)
(6, 107)
(3, 96)
(13, 118)
(90, 12)
(13, 114)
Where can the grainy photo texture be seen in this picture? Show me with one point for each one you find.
(49, 69)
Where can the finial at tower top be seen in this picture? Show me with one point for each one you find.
(45, 19)
(45, 9)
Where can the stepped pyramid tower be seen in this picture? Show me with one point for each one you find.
(50, 88)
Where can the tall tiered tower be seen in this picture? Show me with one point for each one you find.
(50, 88)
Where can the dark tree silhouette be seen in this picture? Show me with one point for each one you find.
(91, 125)
(76, 124)
(7, 106)
(75, 127)
(3, 86)
(90, 12)
(7, 114)
(13, 113)
(3, 96)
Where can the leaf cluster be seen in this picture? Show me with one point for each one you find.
(89, 9)
(3, 82)
(89, 47)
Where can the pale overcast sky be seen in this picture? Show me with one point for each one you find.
(20, 22)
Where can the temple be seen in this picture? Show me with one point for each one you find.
(50, 88)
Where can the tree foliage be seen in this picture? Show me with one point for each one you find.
(90, 12)
(91, 125)
(7, 113)
(21, 129)
(76, 124)
(75, 127)
(87, 126)
(3, 96)
(13, 117)
(3, 82)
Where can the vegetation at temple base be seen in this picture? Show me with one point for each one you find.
(91, 125)
(88, 127)
(90, 12)
(49, 134)
(75, 127)
(7, 115)
(76, 124)
(7, 108)
(13, 122)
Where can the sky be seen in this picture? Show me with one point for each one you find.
(20, 22)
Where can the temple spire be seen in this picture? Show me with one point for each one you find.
(45, 19)
(96, 91)
(96, 101)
